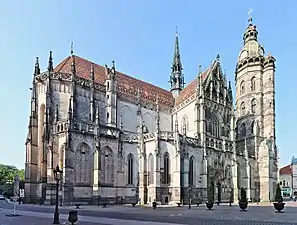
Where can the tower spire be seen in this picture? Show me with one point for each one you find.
(176, 77)
(50, 67)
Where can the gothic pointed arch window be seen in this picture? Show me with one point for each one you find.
(239, 185)
(243, 129)
(107, 165)
(151, 169)
(191, 170)
(242, 87)
(252, 127)
(83, 162)
(130, 168)
(185, 123)
(166, 169)
(253, 83)
(242, 109)
(253, 105)
(62, 156)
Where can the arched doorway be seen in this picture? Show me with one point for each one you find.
(219, 189)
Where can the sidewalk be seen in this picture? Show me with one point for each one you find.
(35, 218)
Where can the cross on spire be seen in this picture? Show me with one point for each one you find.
(250, 20)
(71, 48)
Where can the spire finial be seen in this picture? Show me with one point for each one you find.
(250, 20)
(176, 31)
(97, 116)
(50, 67)
(37, 68)
(157, 103)
(92, 71)
(71, 48)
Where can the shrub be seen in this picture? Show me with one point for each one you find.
(210, 193)
(243, 195)
(278, 194)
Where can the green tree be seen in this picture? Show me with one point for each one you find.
(7, 173)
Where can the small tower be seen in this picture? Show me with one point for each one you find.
(111, 96)
(73, 84)
(176, 78)
(31, 165)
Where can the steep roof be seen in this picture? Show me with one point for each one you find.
(190, 89)
(125, 84)
(285, 170)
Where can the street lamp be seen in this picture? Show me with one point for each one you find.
(57, 175)
(189, 190)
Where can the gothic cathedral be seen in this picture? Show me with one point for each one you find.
(119, 140)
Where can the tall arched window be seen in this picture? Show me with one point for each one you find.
(254, 104)
(191, 171)
(238, 176)
(242, 88)
(41, 143)
(252, 127)
(253, 84)
(82, 168)
(107, 166)
(151, 169)
(61, 157)
(166, 169)
(130, 169)
(242, 108)
(243, 129)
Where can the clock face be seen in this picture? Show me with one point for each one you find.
(252, 48)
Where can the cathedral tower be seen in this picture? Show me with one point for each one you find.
(255, 108)
(176, 78)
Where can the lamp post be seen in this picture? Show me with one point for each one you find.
(189, 189)
(57, 175)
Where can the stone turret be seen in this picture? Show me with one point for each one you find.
(111, 96)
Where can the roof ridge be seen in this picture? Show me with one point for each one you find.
(122, 73)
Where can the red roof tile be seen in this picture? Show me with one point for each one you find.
(285, 170)
(125, 84)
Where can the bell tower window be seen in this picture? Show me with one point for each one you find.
(254, 104)
(242, 87)
(253, 84)
(242, 108)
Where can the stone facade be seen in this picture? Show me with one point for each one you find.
(119, 139)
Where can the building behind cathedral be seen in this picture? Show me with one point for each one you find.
(118, 139)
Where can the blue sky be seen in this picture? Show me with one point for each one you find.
(139, 36)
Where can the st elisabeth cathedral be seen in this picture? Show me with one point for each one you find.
(118, 138)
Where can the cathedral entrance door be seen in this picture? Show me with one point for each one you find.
(219, 186)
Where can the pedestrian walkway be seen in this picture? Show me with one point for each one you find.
(84, 220)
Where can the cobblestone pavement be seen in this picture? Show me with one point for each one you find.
(127, 215)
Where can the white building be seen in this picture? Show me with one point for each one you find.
(285, 180)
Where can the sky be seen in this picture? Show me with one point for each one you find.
(139, 36)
